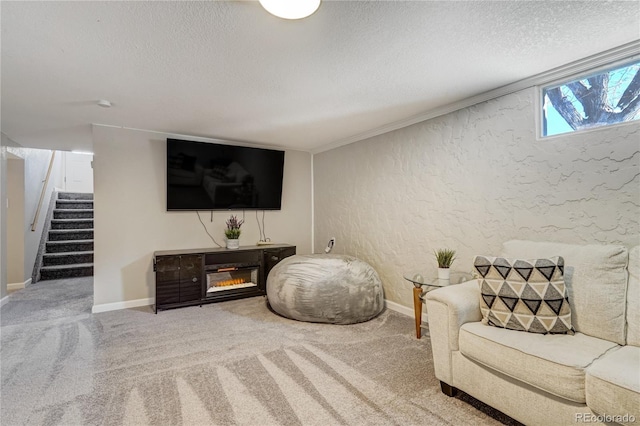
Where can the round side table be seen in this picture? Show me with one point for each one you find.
(429, 283)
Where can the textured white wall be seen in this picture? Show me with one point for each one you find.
(471, 180)
(131, 221)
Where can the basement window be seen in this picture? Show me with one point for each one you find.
(595, 100)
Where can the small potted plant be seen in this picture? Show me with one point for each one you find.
(233, 232)
(445, 258)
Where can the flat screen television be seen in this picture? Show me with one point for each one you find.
(210, 176)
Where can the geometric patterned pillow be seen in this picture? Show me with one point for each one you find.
(524, 295)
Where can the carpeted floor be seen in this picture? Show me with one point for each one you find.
(231, 363)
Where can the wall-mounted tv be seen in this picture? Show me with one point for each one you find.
(210, 176)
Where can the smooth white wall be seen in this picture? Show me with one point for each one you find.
(4, 143)
(36, 164)
(78, 172)
(131, 221)
(3, 220)
(471, 180)
(15, 221)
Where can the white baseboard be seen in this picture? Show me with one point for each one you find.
(404, 310)
(398, 308)
(18, 286)
(4, 300)
(106, 307)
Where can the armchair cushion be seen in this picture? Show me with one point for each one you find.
(524, 295)
(555, 363)
(613, 383)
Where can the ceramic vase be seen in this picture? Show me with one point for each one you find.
(444, 275)
(233, 243)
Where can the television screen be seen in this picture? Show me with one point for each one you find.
(209, 176)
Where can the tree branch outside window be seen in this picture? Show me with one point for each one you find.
(607, 98)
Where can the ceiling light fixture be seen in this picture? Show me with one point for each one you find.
(290, 9)
(104, 103)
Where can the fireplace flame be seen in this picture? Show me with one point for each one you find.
(234, 281)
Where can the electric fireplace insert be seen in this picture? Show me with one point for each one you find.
(231, 278)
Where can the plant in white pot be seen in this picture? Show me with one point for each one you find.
(445, 258)
(233, 232)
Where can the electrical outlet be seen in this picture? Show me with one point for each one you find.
(330, 244)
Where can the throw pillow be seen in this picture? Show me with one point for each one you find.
(524, 295)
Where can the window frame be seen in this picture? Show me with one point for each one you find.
(540, 94)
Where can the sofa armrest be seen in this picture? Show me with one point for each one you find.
(448, 308)
(462, 302)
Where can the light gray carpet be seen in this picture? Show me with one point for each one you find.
(231, 363)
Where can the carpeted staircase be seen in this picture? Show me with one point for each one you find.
(69, 247)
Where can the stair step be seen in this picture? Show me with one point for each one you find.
(71, 223)
(68, 246)
(75, 196)
(67, 258)
(74, 204)
(70, 234)
(66, 271)
(73, 213)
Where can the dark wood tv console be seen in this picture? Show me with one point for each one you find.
(199, 276)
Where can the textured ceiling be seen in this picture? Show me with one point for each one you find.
(229, 70)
